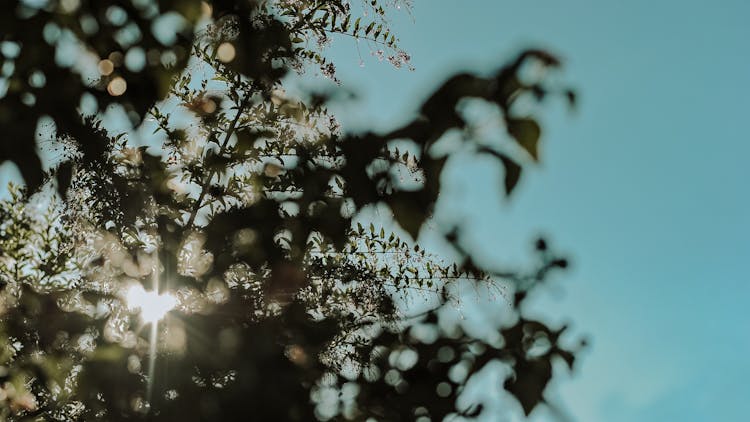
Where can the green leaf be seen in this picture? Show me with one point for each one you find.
(527, 133)
(345, 24)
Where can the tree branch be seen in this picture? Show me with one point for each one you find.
(222, 149)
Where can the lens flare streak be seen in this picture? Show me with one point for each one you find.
(152, 307)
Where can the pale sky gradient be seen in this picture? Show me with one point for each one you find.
(645, 186)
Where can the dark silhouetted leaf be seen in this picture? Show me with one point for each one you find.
(526, 132)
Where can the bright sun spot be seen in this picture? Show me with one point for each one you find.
(152, 305)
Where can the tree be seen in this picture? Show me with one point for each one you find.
(242, 219)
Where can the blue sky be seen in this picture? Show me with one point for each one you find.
(644, 186)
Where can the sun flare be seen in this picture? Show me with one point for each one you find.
(152, 305)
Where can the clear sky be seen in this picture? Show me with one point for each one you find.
(645, 186)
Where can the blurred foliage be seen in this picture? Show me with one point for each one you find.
(246, 210)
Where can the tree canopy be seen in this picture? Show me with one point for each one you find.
(221, 266)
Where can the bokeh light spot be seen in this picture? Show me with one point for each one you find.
(225, 52)
(117, 86)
